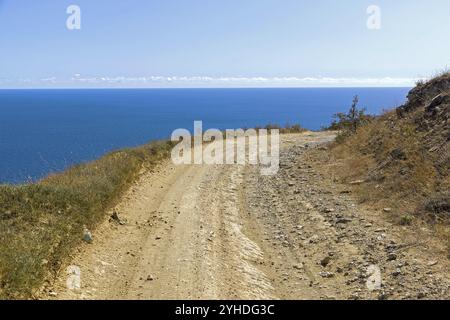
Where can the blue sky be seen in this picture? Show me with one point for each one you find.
(202, 43)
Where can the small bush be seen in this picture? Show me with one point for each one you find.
(406, 220)
(296, 128)
(439, 203)
(349, 122)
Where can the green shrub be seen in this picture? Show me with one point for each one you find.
(349, 122)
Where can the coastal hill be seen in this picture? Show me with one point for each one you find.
(358, 213)
(402, 158)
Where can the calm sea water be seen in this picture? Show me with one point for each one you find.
(43, 131)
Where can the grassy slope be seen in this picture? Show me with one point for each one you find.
(41, 223)
(403, 157)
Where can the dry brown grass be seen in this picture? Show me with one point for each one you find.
(41, 223)
(396, 171)
(403, 158)
(288, 128)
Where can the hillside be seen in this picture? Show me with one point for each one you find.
(42, 223)
(400, 160)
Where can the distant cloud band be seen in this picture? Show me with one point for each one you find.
(78, 80)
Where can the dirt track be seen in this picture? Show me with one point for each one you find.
(213, 232)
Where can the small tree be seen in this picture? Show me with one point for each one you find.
(352, 120)
(355, 115)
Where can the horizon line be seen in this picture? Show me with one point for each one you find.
(78, 81)
(211, 87)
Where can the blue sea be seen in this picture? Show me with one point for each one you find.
(44, 131)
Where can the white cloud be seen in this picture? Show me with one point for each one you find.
(307, 81)
(50, 79)
(78, 80)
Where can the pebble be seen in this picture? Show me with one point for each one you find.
(343, 220)
(326, 274)
(298, 266)
(325, 261)
(397, 272)
(87, 236)
(392, 256)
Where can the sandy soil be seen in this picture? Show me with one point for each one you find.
(226, 232)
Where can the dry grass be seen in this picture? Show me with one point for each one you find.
(412, 186)
(288, 128)
(41, 223)
(391, 161)
(403, 158)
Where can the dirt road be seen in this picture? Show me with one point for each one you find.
(226, 232)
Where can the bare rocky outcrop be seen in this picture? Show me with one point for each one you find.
(424, 92)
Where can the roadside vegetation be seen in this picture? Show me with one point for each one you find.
(400, 160)
(288, 128)
(41, 223)
(348, 123)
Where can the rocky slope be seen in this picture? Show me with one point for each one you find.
(403, 156)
